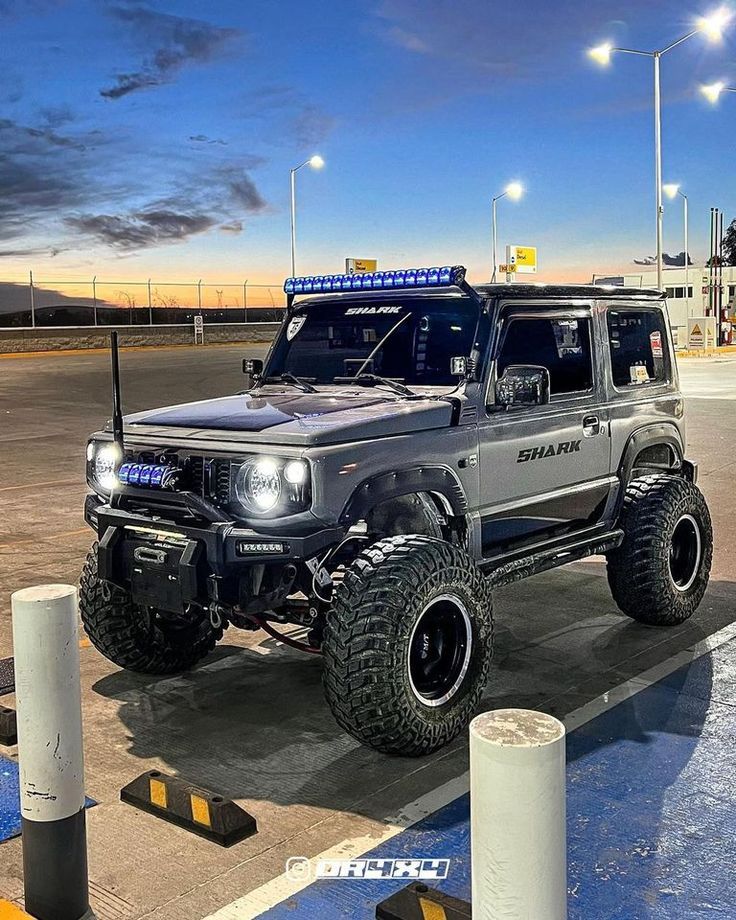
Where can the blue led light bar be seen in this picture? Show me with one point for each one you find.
(445, 276)
(150, 475)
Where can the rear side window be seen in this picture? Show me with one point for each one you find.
(560, 345)
(638, 340)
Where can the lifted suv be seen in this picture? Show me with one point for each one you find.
(410, 443)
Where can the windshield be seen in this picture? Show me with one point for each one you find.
(411, 341)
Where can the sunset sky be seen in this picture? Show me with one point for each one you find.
(155, 139)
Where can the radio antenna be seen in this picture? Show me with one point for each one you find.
(117, 412)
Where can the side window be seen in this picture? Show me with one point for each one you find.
(638, 341)
(560, 345)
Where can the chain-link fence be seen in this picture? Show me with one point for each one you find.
(42, 302)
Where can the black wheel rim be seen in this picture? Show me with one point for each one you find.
(439, 650)
(685, 552)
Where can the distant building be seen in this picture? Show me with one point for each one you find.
(685, 296)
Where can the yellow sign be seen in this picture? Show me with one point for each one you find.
(701, 332)
(360, 266)
(524, 258)
(508, 269)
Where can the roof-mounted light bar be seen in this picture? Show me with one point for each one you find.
(405, 278)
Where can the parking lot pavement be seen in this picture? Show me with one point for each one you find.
(251, 722)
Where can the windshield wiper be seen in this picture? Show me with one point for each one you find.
(294, 381)
(373, 380)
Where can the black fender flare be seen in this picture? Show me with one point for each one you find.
(650, 436)
(385, 486)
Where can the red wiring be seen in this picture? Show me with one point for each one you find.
(274, 633)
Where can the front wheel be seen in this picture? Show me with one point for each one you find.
(660, 572)
(408, 644)
(140, 638)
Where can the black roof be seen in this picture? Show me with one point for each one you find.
(515, 289)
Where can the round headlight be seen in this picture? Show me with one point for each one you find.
(295, 472)
(259, 485)
(106, 461)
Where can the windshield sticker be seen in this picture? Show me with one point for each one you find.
(294, 326)
(655, 339)
(371, 311)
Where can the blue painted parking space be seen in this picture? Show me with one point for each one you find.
(10, 799)
(651, 812)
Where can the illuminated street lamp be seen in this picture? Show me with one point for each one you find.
(712, 28)
(672, 190)
(712, 91)
(514, 191)
(315, 162)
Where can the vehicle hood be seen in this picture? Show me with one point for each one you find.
(295, 418)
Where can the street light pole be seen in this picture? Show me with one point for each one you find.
(658, 167)
(513, 190)
(292, 178)
(316, 162)
(687, 254)
(672, 190)
(712, 27)
(494, 235)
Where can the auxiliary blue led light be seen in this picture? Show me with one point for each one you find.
(443, 276)
(145, 474)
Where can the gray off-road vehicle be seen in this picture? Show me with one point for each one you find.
(409, 443)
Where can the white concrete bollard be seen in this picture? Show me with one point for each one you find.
(517, 816)
(48, 696)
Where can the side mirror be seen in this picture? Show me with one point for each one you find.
(523, 385)
(253, 367)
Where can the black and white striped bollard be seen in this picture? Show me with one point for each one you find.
(49, 708)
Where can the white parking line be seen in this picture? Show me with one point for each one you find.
(276, 891)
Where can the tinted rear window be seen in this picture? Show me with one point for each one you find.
(638, 341)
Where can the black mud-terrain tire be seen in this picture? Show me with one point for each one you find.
(392, 589)
(659, 574)
(137, 638)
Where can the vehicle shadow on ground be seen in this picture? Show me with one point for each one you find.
(256, 726)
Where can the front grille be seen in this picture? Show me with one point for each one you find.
(195, 474)
(203, 475)
(221, 481)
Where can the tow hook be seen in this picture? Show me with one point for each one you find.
(217, 614)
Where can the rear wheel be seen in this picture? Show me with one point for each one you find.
(660, 572)
(408, 644)
(140, 638)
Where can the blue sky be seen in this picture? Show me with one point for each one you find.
(156, 138)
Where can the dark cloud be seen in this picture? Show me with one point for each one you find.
(142, 229)
(234, 226)
(21, 253)
(33, 140)
(42, 172)
(311, 126)
(679, 259)
(203, 139)
(293, 119)
(49, 178)
(243, 192)
(170, 41)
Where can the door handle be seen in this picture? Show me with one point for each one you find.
(591, 426)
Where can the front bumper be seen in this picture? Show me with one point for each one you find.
(222, 540)
(175, 564)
